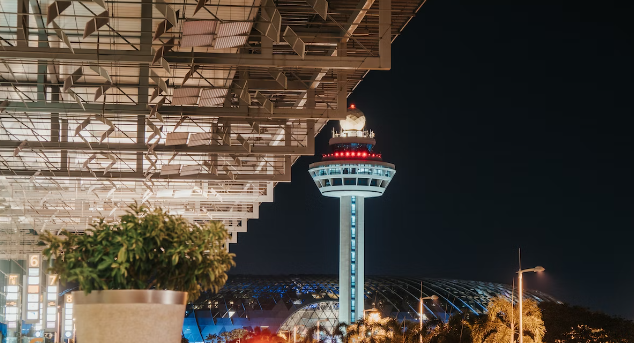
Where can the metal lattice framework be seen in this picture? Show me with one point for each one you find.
(197, 106)
(299, 301)
(392, 295)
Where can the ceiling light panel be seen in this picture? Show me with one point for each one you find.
(203, 138)
(176, 138)
(170, 169)
(185, 96)
(230, 42)
(197, 40)
(199, 27)
(190, 170)
(212, 97)
(235, 28)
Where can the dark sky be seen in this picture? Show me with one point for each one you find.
(511, 125)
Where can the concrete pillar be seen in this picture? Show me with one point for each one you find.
(344, 259)
(360, 272)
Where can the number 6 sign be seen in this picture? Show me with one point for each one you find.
(34, 261)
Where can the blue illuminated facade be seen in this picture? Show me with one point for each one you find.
(353, 255)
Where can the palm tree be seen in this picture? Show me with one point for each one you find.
(404, 331)
(499, 324)
(458, 329)
(340, 333)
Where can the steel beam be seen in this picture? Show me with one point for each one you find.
(308, 150)
(353, 22)
(286, 177)
(58, 174)
(385, 33)
(254, 84)
(239, 112)
(99, 213)
(186, 59)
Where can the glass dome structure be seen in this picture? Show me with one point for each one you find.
(281, 303)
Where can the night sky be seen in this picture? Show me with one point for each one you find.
(510, 125)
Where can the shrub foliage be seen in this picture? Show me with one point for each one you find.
(146, 249)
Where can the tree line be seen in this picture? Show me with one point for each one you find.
(547, 322)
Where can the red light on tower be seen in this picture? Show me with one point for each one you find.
(352, 106)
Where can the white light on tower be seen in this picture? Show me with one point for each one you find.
(355, 120)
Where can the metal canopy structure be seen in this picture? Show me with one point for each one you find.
(196, 106)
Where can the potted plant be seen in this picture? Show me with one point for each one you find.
(136, 275)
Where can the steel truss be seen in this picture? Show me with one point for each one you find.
(139, 108)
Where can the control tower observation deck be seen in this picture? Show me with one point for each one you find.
(352, 171)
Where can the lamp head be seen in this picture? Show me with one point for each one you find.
(434, 297)
(539, 269)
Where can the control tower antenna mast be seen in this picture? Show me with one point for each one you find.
(352, 171)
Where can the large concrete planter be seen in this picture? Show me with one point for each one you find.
(139, 316)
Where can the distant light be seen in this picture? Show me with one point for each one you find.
(365, 154)
(352, 106)
(336, 154)
(347, 153)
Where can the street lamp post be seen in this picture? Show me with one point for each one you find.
(420, 313)
(521, 296)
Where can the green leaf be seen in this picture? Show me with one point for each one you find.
(103, 265)
(123, 253)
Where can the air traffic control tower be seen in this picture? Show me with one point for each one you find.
(352, 171)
